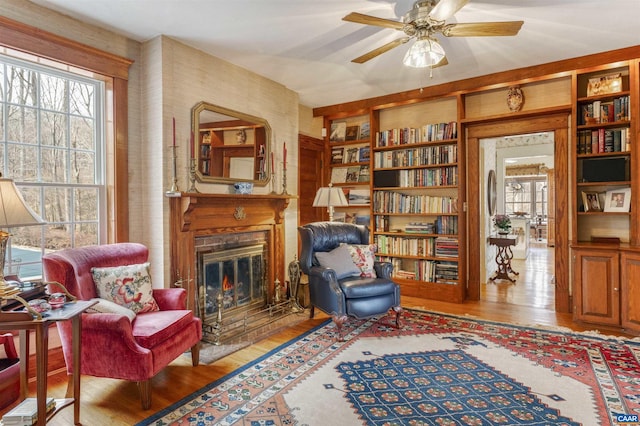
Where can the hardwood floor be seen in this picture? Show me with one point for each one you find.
(534, 284)
(115, 402)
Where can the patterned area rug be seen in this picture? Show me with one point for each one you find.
(437, 370)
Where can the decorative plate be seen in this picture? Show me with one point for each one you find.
(515, 99)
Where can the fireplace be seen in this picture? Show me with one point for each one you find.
(227, 250)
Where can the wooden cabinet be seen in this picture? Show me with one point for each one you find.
(630, 290)
(597, 285)
(606, 285)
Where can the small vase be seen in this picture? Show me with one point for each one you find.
(503, 232)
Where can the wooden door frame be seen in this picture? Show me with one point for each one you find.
(556, 121)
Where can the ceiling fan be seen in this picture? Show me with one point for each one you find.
(426, 18)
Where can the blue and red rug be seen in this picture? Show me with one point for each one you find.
(437, 370)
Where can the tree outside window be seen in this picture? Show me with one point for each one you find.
(51, 145)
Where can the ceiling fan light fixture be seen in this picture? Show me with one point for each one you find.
(425, 52)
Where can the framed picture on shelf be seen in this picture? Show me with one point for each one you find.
(617, 200)
(338, 131)
(604, 85)
(351, 133)
(591, 201)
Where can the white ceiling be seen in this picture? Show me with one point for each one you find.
(305, 45)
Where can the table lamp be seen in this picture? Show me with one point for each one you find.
(330, 197)
(13, 213)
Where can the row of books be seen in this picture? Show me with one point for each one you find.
(420, 227)
(398, 202)
(409, 135)
(350, 174)
(603, 140)
(424, 270)
(441, 154)
(442, 176)
(598, 112)
(443, 225)
(342, 155)
(446, 247)
(423, 247)
(26, 413)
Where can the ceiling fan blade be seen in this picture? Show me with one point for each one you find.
(509, 28)
(360, 18)
(445, 9)
(380, 50)
(442, 63)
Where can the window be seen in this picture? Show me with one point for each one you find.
(526, 194)
(52, 145)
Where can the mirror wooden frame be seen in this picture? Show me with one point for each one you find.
(492, 193)
(214, 156)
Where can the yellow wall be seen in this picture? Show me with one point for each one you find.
(166, 80)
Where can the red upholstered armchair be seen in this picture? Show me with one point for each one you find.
(9, 372)
(112, 345)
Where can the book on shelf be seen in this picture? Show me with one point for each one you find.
(599, 111)
(353, 174)
(338, 131)
(420, 227)
(351, 155)
(339, 175)
(337, 155)
(364, 154)
(364, 173)
(364, 131)
(359, 197)
(352, 132)
(26, 413)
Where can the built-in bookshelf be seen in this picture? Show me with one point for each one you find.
(414, 184)
(605, 251)
(349, 154)
(603, 141)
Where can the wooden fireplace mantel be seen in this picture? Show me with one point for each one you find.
(194, 214)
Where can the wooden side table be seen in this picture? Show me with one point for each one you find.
(25, 323)
(503, 257)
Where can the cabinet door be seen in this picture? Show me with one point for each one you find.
(596, 292)
(630, 290)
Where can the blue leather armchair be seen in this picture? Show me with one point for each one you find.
(353, 296)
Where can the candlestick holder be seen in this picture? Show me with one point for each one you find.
(173, 191)
(284, 181)
(192, 176)
(273, 183)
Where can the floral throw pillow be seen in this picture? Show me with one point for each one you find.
(128, 286)
(363, 256)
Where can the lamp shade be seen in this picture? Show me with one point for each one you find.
(330, 197)
(425, 52)
(13, 210)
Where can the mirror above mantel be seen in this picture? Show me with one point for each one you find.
(230, 146)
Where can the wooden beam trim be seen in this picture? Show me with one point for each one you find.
(32, 40)
(523, 75)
